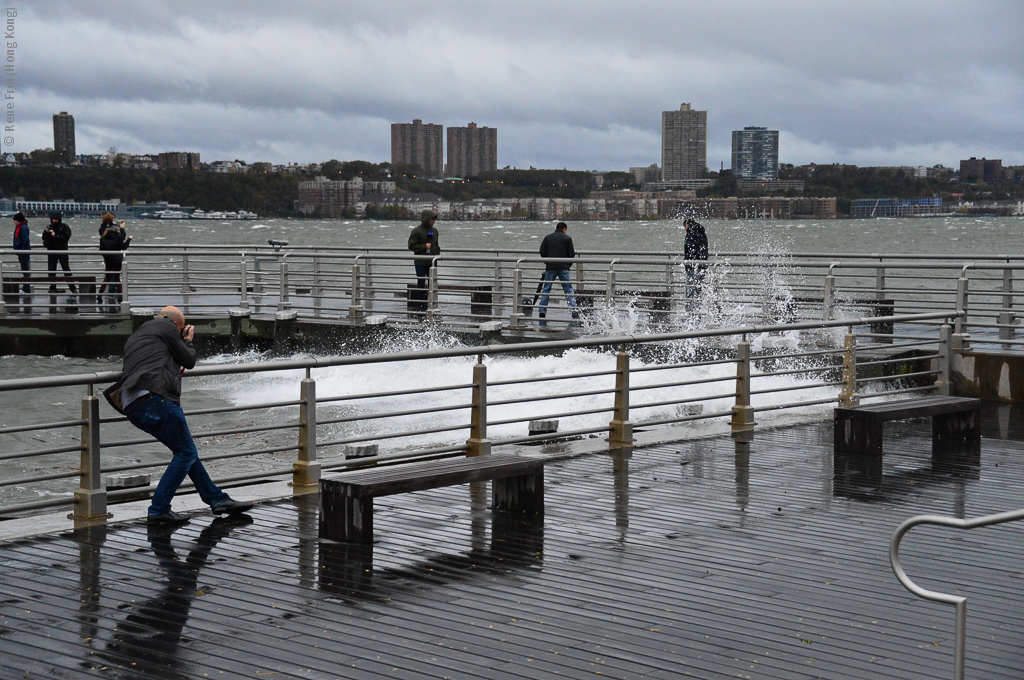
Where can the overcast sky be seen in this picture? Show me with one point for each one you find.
(567, 84)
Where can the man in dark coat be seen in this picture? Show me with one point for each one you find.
(148, 393)
(55, 238)
(695, 248)
(113, 238)
(424, 240)
(22, 241)
(557, 244)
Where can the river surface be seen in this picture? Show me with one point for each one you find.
(954, 236)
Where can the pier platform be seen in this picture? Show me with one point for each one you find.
(707, 558)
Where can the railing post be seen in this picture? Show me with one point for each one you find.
(432, 309)
(621, 435)
(670, 285)
(3, 299)
(942, 381)
(829, 302)
(355, 308)
(609, 291)
(91, 496)
(186, 287)
(961, 306)
(848, 396)
(515, 318)
(743, 412)
(243, 297)
(478, 444)
(879, 283)
(368, 292)
(126, 306)
(1006, 317)
(306, 477)
(315, 291)
(498, 287)
(283, 303)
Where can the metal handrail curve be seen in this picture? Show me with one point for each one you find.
(958, 601)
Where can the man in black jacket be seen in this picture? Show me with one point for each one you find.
(557, 244)
(148, 393)
(695, 248)
(55, 238)
(424, 240)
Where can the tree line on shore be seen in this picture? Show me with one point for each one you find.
(269, 193)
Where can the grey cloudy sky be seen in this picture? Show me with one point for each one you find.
(568, 84)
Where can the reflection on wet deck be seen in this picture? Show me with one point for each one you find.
(710, 558)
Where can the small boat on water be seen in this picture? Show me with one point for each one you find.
(171, 215)
(214, 215)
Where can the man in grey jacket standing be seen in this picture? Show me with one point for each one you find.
(148, 394)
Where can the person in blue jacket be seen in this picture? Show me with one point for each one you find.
(22, 241)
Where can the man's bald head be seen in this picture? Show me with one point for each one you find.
(174, 314)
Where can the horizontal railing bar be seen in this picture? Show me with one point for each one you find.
(696, 364)
(41, 426)
(393, 414)
(40, 478)
(796, 404)
(879, 362)
(793, 371)
(551, 416)
(548, 435)
(550, 397)
(396, 435)
(926, 388)
(499, 383)
(41, 452)
(684, 419)
(801, 386)
(886, 378)
(691, 400)
(702, 381)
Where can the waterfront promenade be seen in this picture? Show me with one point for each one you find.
(707, 558)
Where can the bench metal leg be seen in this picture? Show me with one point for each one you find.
(962, 426)
(345, 519)
(857, 432)
(522, 494)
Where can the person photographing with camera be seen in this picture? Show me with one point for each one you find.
(114, 239)
(56, 237)
(148, 393)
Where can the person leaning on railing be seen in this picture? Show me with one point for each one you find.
(55, 238)
(113, 239)
(424, 240)
(23, 241)
(148, 393)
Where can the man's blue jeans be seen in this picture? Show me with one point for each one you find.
(563, 276)
(165, 420)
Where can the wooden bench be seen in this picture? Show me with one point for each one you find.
(858, 430)
(86, 288)
(346, 502)
(480, 298)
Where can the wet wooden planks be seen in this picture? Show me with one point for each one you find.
(705, 559)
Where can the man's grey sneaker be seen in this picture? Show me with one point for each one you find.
(169, 517)
(231, 507)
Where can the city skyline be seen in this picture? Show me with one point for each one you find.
(275, 84)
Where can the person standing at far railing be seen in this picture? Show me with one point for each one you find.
(695, 247)
(557, 244)
(424, 240)
(112, 239)
(148, 393)
(55, 238)
(22, 241)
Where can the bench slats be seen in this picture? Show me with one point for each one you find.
(858, 429)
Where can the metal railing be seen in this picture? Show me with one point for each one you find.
(680, 380)
(958, 601)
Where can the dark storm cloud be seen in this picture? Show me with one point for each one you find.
(576, 84)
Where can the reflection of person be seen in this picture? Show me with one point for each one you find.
(55, 238)
(148, 393)
(695, 247)
(424, 240)
(22, 241)
(557, 244)
(151, 632)
(113, 238)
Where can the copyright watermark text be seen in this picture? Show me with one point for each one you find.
(10, 72)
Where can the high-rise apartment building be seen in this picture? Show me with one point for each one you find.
(755, 153)
(418, 143)
(178, 160)
(684, 143)
(64, 135)
(472, 150)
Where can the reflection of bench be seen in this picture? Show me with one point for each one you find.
(86, 287)
(858, 430)
(480, 298)
(346, 502)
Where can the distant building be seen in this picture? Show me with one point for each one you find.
(770, 186)
(677, 184)
(648, 174)
(178, 160)
(755, 153)
(70, 208)
(420, 144)
(472, 150)
(983, 169)
(684, 144)
(64, 135)
(330, 197)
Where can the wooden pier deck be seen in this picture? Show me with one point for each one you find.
(705, 559)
